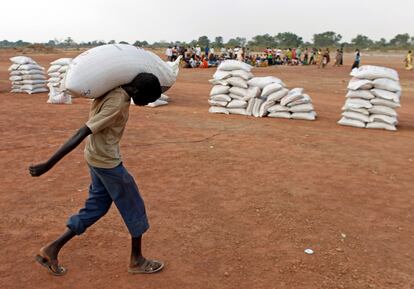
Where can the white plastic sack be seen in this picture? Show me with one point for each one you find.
(54, 68)
(62, 61)
(242, 74)
(217, 103)
(236, 96)
(157, 103)
(293, 95)
(356, 116)
(307, 107)
(364, 111)
(386, 95)
(373, 72)
(237, 81)
(256, 107)
(262, 82)
(379, 109)
(280, 114)
(221, 75)
(242, 92)
(383, 118)
(59, 98)
(215, 109)
(278, 95)
(237, 104)
(253, 92)
(357, 103)
(240, 111)
(387, 84)
(217, 82)
(250, 105)
(304, 115)
(221, 97)
(362, 84)
(22, 60)
(384, 102)
(101, 69)
(229, 65)
(264, 107)
(351, 122)
(365, 94)
(381, 125)
(271, 88)
(164, 97)
(219, 89)
(278, 108)
(303, 100)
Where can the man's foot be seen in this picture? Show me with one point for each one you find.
(145, 266)
(47, 258)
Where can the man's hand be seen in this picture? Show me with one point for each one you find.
(38, 170)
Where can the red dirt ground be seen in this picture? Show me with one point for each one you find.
(233, 201)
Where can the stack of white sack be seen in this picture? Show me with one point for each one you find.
(292, 104)
(374, 94)
(57, 72)
(272, 89)
(101, 69)
(27, 76)
(231, 93)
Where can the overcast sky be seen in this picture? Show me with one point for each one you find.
(154, 20)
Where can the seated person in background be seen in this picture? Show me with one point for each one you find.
(204, 63)
(212, 60)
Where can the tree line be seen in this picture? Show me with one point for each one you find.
(280, 40)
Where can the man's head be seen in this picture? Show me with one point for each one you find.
(144, 88)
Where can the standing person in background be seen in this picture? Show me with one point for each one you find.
(198, 51)
(207, 51)
(294, 59)
(409, 61)
(319, 58)
(305, 56)
(357, 59)
(338, 58)
(342, 55)
(168, 53)
(299, 55)
(312, 57)
(174, 53)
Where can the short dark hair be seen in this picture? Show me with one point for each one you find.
(143, 89)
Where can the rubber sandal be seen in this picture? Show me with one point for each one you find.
(148, 267)
(53, 266)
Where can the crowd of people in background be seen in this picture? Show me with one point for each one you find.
(197, 57)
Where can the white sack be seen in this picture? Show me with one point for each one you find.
(261, 82)
(351, 122)
(215, 109)
(101, 69)
(381, 125)
(373, 72)
(229, 65)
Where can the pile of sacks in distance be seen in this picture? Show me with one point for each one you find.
(27, 76)
(163, 100)
(237, 91)
(57, 72)
(374, 94)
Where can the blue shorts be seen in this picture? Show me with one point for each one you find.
(112, 185)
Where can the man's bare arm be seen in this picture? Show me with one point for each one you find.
(72, 143)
